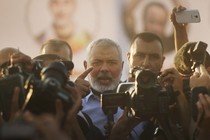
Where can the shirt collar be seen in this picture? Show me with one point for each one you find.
(89, 96)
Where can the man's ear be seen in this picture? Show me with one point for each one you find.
(163, 60)
(85, 64)
(128, 57)
(122, 64)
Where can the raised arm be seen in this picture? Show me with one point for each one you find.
(180, 32)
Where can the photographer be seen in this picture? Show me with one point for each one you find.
(58, 50)
(66, 119)
(147, 52)
(57, 47)
(55, 50)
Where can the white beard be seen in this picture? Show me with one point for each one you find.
(101, 88)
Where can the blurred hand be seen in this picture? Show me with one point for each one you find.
(203, 106)
(72, 113)
(203, 120)
(200, 78)
(71, 126)
(173, 16)
(46, 126)
(83, 84)
(172, 77)
(123, 126)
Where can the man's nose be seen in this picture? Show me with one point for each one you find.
(146, 62)
(104, 67)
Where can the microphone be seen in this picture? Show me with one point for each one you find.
(190, 56)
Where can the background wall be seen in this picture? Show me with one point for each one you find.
(21, 20)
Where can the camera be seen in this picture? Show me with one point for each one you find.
(146, 98)
(39, 89)
(44, 92)
(11, 76)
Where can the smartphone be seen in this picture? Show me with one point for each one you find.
(188, 16)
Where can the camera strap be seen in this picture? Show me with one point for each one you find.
(85, 117)
(28, 97)
(90, 131)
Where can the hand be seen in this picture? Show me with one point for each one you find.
(173, 16)
(200, 78)
(45, 125)
(83, 84)
(173, 78)
(123, 126)
(203, 120)
(203, 106)
(76, 95)
(71, 126)
(72, 113)
(180, 31)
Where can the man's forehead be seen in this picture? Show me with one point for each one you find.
(104, 51)
(100, 57)
(140, 45)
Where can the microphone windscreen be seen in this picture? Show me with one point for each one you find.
(190, 56)
(182, 59)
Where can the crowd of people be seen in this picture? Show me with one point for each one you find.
(38, 99)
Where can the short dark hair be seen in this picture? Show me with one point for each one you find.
(56, 45)
(148, 37)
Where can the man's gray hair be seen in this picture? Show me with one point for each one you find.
(102, 43)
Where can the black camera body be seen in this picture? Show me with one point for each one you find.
(7, 86)
(151, 102)
(11, 76)
(146, 98)
(38, 89)
(46, 90)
